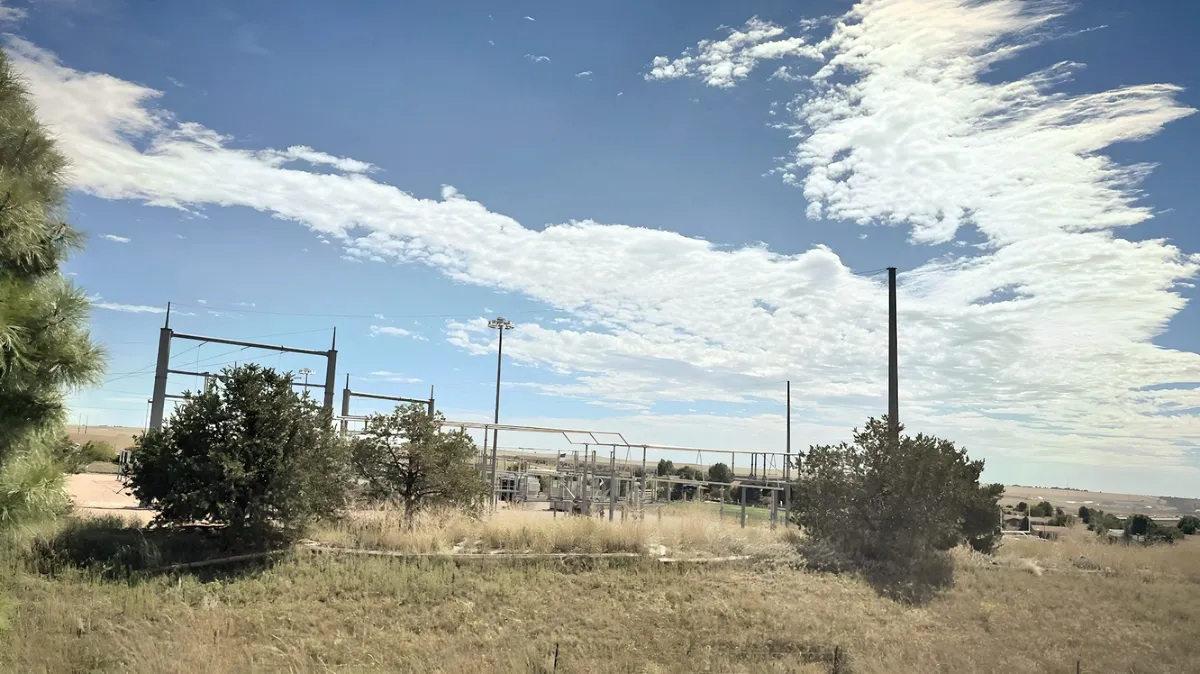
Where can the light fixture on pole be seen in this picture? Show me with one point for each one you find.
(305, 372)
(500, 324)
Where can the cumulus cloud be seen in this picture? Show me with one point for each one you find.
(1037, 345)
(116, 239)
(721, 63)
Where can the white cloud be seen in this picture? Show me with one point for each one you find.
(11, 14)
(125, 308)
(250, 305)
(202, 301)
(174, 81)
(305, 153)
(492, 42)
(379, 317)
(530, 18)
(585, 73)
(393, 331)
(395, 376)
(721, 63)
(538, 59)
(783, 73)
(116, 239)
(1011, 351)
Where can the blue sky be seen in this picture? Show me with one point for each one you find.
(281, 171)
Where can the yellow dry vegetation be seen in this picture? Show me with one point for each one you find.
(688, 530)
(1034, 607)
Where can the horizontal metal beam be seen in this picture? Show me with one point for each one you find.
(196, 374)
(378, 396)
(544, 429)
(623, 443)
(252, 345)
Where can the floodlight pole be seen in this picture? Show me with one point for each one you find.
(500, 323)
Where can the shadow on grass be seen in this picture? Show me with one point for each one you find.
(115, 549)
(913, 579)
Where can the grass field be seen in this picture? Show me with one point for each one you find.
(1036, 607)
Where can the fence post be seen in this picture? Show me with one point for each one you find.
(742, 488)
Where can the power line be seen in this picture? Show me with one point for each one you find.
(321, 315)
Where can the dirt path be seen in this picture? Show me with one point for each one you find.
(100, 494)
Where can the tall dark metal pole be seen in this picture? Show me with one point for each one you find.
(893, 362)
(158, 400)
(787, 466)
(499, 323)
(499, 361)
(331, 373)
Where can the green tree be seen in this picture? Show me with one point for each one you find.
(1189, 524)
(1139, 525)
(1085, 514)
(1022, 507)
(665, 467)
(719, 472)
(249, 453)
(406, 459)
(896, 507)
(45, 349)
(1043, 509)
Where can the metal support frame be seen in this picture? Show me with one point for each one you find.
(587, 472)
(163, 369)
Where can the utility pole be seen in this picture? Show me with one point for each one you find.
(787, 466)
(893, 363)
(500, 324)
(159, 399)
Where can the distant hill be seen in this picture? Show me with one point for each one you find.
(1117, 504)
(119, 437)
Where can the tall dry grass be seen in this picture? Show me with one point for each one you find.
(1082, 550)
(341, 614)
(674, 531)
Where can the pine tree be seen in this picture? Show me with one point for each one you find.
(45, 349)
